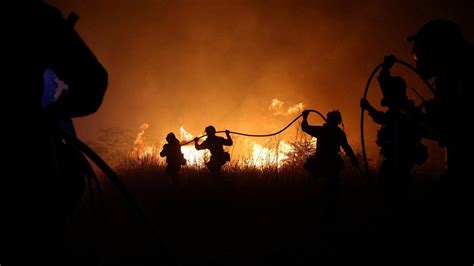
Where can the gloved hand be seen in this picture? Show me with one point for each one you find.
(389, 61)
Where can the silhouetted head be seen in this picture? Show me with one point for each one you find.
(171, 138)
(210, 131)
(394, 92)
(334, 118)
(436, 46)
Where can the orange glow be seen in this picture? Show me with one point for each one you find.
(270, 153)
(196, 63)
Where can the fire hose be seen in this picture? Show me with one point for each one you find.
(259, 135)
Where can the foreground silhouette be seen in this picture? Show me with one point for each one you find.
(215, 145)
(441, 227)
(442, 54)
(41, 184)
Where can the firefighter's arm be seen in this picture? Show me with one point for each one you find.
(198, 146)
(228, 141)
(348, 150)
(311, 130)
(376, 115)
(75, 64)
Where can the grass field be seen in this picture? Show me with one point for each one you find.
(246, 216)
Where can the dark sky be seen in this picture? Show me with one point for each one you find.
(194, 63)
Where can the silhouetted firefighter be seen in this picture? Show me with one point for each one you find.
(327, 161)
(441, 52)
(215, 145)
(399, 137)
(40, 168)
(174, 156)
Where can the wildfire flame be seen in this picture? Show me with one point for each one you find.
(141, 150)
(269, 156)
(139, 140)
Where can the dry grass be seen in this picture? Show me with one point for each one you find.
(246, 216)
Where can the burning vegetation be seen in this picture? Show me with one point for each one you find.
(272, 153)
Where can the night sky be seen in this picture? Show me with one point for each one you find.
(195, 63)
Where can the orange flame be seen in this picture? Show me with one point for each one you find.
(265, 156)
(261, 156)
(141, 150)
